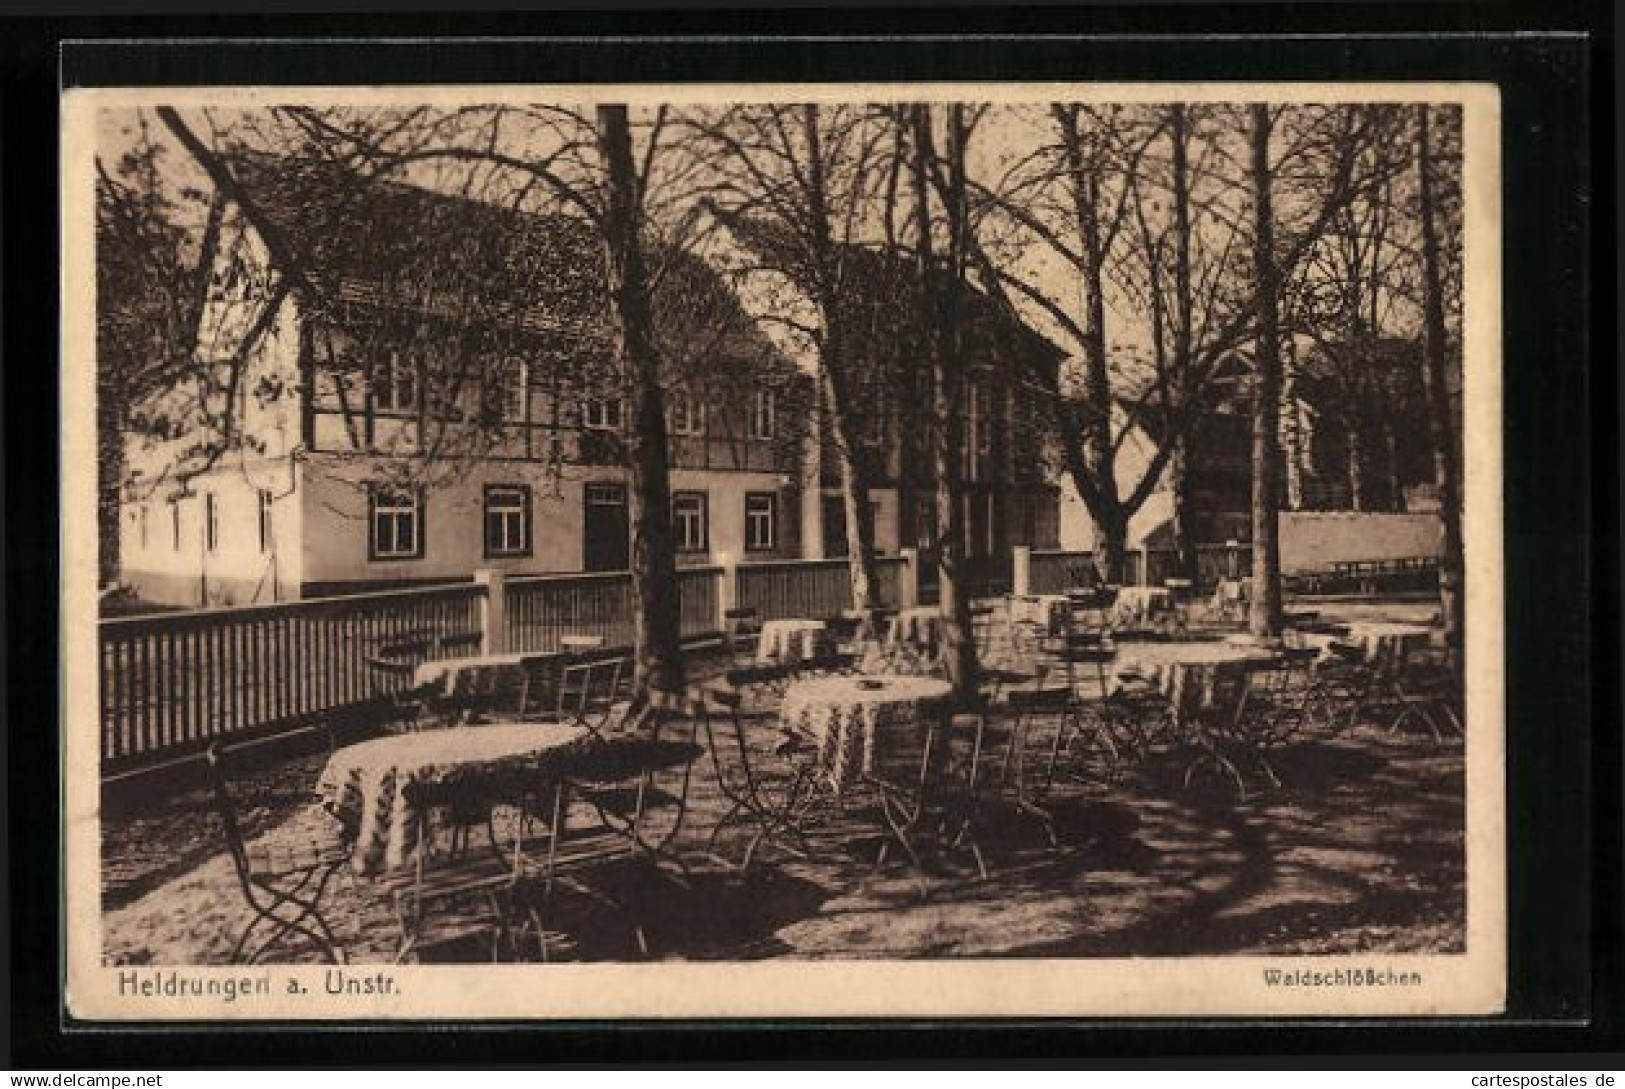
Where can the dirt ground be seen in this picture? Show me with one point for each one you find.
(1360, 850)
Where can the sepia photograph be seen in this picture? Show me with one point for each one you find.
(782, 551)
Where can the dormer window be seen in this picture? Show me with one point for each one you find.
(685, 414)
(395, 383)
(602, 414)
(764, 412)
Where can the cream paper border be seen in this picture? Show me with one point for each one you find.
(1473, 982)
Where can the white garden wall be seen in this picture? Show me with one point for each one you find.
(1314, 540)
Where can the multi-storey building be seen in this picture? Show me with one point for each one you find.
(432, 397)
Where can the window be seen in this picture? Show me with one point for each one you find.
(981, 418)
(507, 520)
(141, 523)
(760, 516)
(601, 414)
(395, 384)
(515, 389)
(265, 520)
(507, 391)
(211, 522)
(688, 519)
(175, 523)
(764, 414)
(925, 521)
(395, 525)
(685, 414)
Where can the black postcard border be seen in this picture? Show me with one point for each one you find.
(1561, 484)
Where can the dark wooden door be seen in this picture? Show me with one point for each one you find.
(606, 544)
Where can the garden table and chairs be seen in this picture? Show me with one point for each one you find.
(1263, 708)
(1228, 605)
(387, 793)
(486, 683)
(1387, 644)
(1410, 671)
(377, 788)
(1140, 605)
(886, 733)
(919, 628)
(392, 794)
(1050, 614)
(794, 641)
(1190, 674)
(741, 633)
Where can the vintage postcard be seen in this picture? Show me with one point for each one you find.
(748, 551)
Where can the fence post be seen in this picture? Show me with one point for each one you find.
(493, 611)
(908, 579)
(1021, 571)
(727, 585)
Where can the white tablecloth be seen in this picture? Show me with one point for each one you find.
(479, 672)
(792, 641)
(1387, 643)
(1194, 676)
(919, 627)
(1140, 603)
(1052, 612)
(865, 727)
(367, 785)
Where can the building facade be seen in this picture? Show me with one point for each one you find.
(387, 440)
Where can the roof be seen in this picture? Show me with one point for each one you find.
(375, 243)
(877, 294)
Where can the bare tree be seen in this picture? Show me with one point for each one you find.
(1434, 370)
(586, 163)
(1113, 196)
(941, 293)
(796, 185)
(1264, 614)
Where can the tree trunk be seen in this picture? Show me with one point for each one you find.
(659, 651)
(844, 418)
(1264, 611)
(1099, 451)
(959, 652)
(1111, 549)
(1183, 522)
(860, 522)
(1452, 606)
(1356, 474)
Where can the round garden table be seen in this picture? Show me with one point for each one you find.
(919, 627)
(871, 727)
(1139, 603)
(790, 641)
(1052, 612)
(1387, 643)
(1192, 675)
(369, 786)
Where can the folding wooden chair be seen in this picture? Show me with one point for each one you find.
(1274, 709)
(283, 886)
(619, 777)
(431, 898)
(775, 803)
(590, 692)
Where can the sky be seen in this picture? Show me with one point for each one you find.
(1004, 135)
